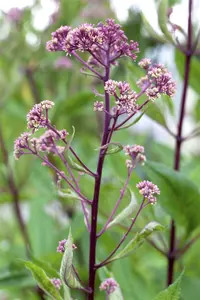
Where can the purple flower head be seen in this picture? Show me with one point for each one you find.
(20, 144)
(109, 285)
(136, 152)
(56, 282)
(83, 38)
(37, 116)
(125, 98)
(61, 246)
(58, 40)
(148, 190)
(97, 40)
(144, 63)
(98, 106)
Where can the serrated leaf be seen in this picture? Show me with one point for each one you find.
(162, 20)
(45, 266)
(43, 280)
(173, 292)
(138, 240)
(134, 122)
(150, 30)
(126, 212)
(66, 270)
(180, 196)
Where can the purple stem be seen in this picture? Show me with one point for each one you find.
(106, 261)
(116, 206)
(87, 66)
(177, 158)
(94, 212)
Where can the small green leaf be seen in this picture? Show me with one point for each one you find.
(43, 280)
(74, 165)
(67, 193)
(45, 266)
(115, 148)
(138, 240)
(71, 138)
(66, 270)
(173, 292)
(150, 30)
(134, 122)
(162, 20)
(126, 212)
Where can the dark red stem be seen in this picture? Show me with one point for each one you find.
(94, 212)
(179, 140)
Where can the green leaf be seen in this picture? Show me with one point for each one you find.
(71, 139)
(154, 112)
(126, 212)
(134, 122)
(66, 270)
(69, 194)
(43, 280)
(116, 295)
(138, 240)
(150, 30)
(194, 69)
(74, 165)
(162, 20)
(45, 266)
(15, 279)
(115, 148)
(173, 292)
(180, 197)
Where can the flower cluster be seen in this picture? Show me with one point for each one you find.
(136, 152)
(38, 115)
(20, 144)
(157, 80)
(97, 41)
(109, 285)
(125, 98)
(57, 42)
(61, 246)
(56, 282)
(98, 106)
(47, 142)
(148, 190)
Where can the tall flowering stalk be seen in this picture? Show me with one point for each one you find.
(105, 44)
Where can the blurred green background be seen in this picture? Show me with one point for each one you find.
(29, 74)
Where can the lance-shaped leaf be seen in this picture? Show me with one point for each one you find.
(71, 139)
(154, 112)
(150, 30)
(116, 295)
(75, 166)
(138, 240)
(162, 20)
(126, 212)
(66, 270)
(69, 194)
(173, 292)
(134, 121)
(43, 280)
(112, 148)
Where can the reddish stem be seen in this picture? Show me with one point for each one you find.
(179, 140)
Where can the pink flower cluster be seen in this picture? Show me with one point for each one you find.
(47, 142)
(109, 285)
(97, 40)
(157, 80)
(56, 282)
(61, 246)
(125, 98)
(148, 190)
(136, 152)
